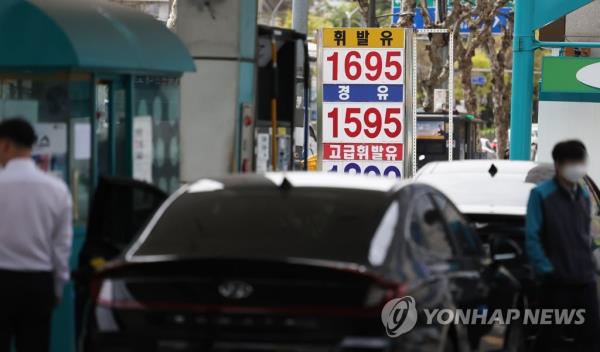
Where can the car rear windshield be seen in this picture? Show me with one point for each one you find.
(314, 223)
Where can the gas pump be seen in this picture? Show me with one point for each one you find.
(281, 107)
(432, 138)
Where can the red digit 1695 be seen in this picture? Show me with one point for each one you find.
(372, 65)
(370, 122)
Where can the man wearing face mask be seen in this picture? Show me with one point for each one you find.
(559, 247)
(35, 241)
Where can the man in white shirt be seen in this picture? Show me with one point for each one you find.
(35, 241)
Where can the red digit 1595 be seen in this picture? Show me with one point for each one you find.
(370, 122)
(372, 65)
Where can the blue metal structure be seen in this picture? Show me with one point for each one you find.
(84, 35)
(531, 15)
(81, 47)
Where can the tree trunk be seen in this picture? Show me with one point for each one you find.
(172, 20)
(364, 9)
(501, 89)
(466, 67)
(464, 50)
(407, 16)
(438, 72)
(479, 19)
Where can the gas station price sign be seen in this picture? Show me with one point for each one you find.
(362, 91)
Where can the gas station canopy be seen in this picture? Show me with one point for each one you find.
(81, 34)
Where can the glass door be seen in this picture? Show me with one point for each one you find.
(112, 128)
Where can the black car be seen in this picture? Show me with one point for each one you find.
(292, 261)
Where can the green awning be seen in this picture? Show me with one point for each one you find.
(87, 35)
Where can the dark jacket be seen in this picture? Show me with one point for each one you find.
(558, 239)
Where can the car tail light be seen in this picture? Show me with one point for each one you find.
(378, 295)
(102, 292)
(95, 288)
(381, 290)
(105, 293)
(395, 291)
(375, 296)
(114, 294)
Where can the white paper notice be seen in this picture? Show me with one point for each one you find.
(262, 153)
(142, 148)
(83, 141)
(52, 138)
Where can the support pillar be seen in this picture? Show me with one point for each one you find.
(522, 90)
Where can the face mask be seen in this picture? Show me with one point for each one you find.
(574, 173)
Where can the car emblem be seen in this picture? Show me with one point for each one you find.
(235, 289)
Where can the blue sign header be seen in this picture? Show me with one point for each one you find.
(379, 93)
(419, 23)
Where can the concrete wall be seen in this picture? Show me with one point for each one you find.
(208, 108)
(217, 37)
(583, 25)
(570, 120)
(564, 120)
(209, 30)
(158, 9)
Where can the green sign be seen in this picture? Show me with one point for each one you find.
(570, 79)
